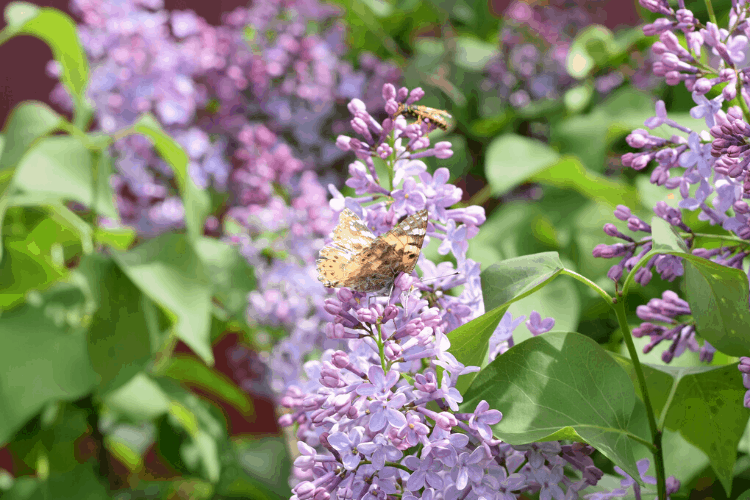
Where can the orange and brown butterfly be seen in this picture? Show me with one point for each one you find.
(359, 260)
(437, 117)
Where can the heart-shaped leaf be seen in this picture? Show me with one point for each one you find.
(562, 385)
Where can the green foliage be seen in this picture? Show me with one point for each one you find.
(45, 360)
(562, 385)
(195, 200)
(513, 159)
(90, 316)
(502, 284)
(718, 295)
(58, 31)
(701, 403)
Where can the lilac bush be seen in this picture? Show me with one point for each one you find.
(708, 166)
(535, 41)
(228, 94)
(380, 417)
(224, 92)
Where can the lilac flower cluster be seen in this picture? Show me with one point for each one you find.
(673, 485)
(364, 416)
(709, 167)
(211, 88)
(228, 94)
(535, 41)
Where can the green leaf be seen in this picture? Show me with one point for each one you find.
(470, 341)
(578, 98)
(62, 168)
(592, 47)
(473, 54)
(512, 159)
(58, 31)
(718, 295)
(570, 173)
(119, 238)
(27, 123)
(206, 431)
(139, 399)
(42, 362)
(558, 299)
(705, 407)
(513, 279)
(264, 465)
(718, 298)
(195, 201)
(590, 136)
(233, 278)
(118, 338)
(708, 411)
(556, 386)
(170, 273)
(186, 369)
(502, 284)
(21, 270)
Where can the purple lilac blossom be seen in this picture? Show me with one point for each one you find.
(363, 407)
(227, 94)
(707, 166)
(211, 87)
(534, 43)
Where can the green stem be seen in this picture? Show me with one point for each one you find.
(716, 237)
(711, 15)
(381, 348)
(594, 286)
(740, 99)
(656, 450)
(396, 465)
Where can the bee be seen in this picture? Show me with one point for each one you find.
(437, 117)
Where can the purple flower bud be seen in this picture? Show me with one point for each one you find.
(340, 359)
(657, 27)
(702, 86)
(657, 6)
(741, 207)
(622, 212)
(388, 93)
(643, 276)
(332, 307)
(443, 150)
(390, 312)
(615, 272)
(415, 95)
(609, 251)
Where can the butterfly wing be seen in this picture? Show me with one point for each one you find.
(350, 237)
(406, 240)
(396, 251)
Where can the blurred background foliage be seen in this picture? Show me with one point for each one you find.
(131, 367)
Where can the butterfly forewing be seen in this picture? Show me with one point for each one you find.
(373, 266)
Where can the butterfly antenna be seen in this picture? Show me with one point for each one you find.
(439, 277)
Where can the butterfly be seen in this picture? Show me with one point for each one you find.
(437, 117)
(359, 260)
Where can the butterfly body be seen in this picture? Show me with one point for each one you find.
(359, 260)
